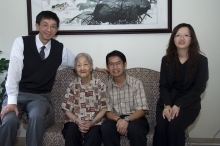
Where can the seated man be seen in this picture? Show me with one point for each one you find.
(126, 105)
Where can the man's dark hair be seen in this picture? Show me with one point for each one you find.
(47, 15)
(116, 53)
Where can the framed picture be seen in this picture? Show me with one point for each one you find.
(105, 16)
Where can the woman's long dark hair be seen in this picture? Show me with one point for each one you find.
(193, 52)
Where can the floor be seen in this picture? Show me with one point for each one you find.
(193, 144)
(203, 144)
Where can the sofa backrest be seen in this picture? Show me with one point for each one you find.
(149, 78)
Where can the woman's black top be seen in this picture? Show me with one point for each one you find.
(182, 92)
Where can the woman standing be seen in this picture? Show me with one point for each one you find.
(84, 105)
(183, 77)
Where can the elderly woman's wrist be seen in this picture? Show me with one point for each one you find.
(75, 120)
(94, 121)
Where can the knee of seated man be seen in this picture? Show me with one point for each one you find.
(11, 119)
(133, 127)
(107, 125)
(36, 117)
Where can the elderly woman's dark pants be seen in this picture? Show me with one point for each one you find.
(137, 131)
(73, 137)
(173, 133)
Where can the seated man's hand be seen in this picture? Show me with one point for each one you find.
(89, 124)
(8, 108)
(101, 70)
(122, 126)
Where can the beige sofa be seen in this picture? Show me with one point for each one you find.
(55, 118)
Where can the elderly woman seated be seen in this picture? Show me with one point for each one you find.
(84, 106)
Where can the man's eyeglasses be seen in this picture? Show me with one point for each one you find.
(117, 64)
(46, 26)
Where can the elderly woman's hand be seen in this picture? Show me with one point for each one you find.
(89, 124)
(82, 126)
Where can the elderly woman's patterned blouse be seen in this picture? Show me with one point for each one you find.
(84, 102)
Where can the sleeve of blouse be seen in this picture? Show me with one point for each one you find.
(67, 104)
(164, 86)
(103, 96)
(199, 85)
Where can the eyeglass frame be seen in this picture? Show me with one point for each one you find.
(185, 36)
(112, 64)
(46, 26)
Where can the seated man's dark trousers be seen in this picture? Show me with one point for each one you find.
(137, 131)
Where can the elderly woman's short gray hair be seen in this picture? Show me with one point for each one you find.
(86, 55)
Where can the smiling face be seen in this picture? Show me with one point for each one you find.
(182, 38)
(116, 66)
(83, 67)
(47, 29)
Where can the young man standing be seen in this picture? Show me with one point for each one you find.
(126, 105)
(32, 69)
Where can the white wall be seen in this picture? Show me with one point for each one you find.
(141, 50)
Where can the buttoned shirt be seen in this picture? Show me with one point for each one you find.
(127, 99)
(16, 65)
(84, 102)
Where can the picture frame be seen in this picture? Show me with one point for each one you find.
(79, 17)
